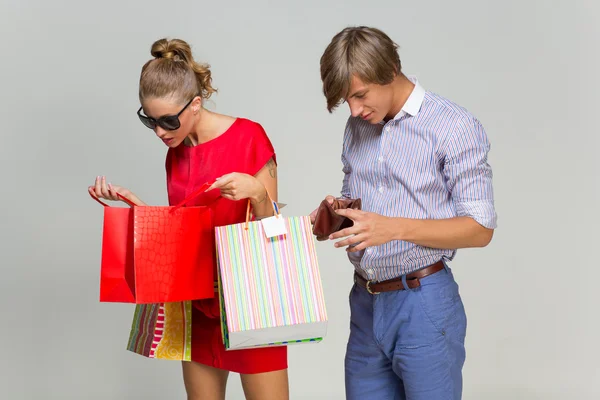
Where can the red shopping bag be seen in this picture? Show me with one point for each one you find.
(157, 254)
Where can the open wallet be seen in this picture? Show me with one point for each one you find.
(327, 221)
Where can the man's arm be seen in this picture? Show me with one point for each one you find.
(345, 192)
(452, 233)
(469, 180)
(371, 229)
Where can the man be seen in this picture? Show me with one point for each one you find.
(419, 164)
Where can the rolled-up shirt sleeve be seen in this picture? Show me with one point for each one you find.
(468, 174)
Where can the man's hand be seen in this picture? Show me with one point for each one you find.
(313, 214)
(369, 230)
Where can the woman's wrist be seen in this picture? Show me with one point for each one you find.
(260, 194)
(134, 199)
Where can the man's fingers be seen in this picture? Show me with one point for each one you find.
(349, 213)
(350, 241)
(313, 216)
(360, 246)
(344, 233)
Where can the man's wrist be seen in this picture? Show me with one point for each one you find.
(399, 227)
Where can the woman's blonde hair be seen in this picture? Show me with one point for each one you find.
(174, 74)
(367, 53)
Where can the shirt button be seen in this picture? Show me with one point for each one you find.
(380, 159)
(381, 189)
(370, 271)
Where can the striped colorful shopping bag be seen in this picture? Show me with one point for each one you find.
(162, 331)
(270, 288)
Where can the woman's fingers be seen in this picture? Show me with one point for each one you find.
(98, 186)
(112, 192)
(104, 189)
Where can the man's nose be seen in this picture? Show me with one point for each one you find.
(355, 109)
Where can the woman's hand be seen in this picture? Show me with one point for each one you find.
(108, 191)
(260, 189)
(237, 186)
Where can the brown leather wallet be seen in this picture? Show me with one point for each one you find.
(327, 221)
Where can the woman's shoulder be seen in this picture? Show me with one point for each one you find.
(249, 142)
(245, 128)
(249, 125)
(240, 131)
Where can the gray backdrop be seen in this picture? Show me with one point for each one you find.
(69, 72)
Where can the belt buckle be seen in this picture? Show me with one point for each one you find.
(368, 287)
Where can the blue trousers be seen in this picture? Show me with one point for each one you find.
(407, 344)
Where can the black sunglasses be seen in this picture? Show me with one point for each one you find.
(167, 122)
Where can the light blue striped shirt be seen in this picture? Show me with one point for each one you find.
(429, 162)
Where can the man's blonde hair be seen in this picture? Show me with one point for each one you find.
(367, 53)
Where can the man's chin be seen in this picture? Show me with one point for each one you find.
(375, 120)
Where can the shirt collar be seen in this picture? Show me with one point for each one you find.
(414, 101)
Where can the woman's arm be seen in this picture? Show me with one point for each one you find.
(267, 179)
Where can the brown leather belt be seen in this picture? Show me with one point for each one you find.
(412, 280)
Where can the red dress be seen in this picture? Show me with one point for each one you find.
(245, 148)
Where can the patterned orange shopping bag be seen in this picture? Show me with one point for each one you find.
(162, 331)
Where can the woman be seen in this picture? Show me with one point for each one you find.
(204, 147)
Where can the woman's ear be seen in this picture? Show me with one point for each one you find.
(197, 104)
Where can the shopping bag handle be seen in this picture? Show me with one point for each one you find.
(198, 192)
(274, 204)
(202, 189)
(126, 200)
